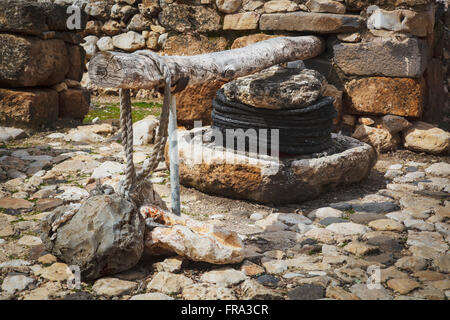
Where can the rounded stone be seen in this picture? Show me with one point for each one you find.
(213, 169)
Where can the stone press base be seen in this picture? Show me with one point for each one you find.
(216, 170)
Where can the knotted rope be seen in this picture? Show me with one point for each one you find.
(132, 180)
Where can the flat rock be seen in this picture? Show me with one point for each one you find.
(386, 225)
(364, 293)
(348, 228)
(113, 287)
(169, 265)
(432, 240)
(307, 292)
(16, 283)
(326, 212)
(224, 277)
(14, 203)
(204, 291)
(151, 296)
(385, 57)
(403, 286)
(252, 290)
(56, 272)
(411, 263)
(440, 169)
(169, 283)
(7, 134)
(316, 22)
(339, 293)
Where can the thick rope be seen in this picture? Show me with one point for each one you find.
(132, 179)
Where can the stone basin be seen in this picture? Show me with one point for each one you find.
(207, 166)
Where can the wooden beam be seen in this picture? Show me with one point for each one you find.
(140, 69)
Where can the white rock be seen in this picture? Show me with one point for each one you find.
(256, 216)
(224, 277)
(144, 130)
(443, 228)
(410, 177)
(113, 286)
(129, 41)
(347, 228)
(108, 169)
(271, 223)
(441, 169)
(75, 135)
(90, 46)
(20, 153)
(325, 212)
(169, 283)
(397, 166)
(228, 6)
(30, 241)
(105, 44)
(418, 224)
(72, 193)
(55, 135)
(7, 133)
(151, 296)
(16, 283)
(291, 219)
(398, 216)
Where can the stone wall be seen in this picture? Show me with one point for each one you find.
(41, 64)
(383, 57)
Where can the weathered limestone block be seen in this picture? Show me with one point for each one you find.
(277, 88)
(228, 6)
(74, 103)
(315, 22)
(30, 61)
(382, 95)
(241, 21)
(34, 18)
(417, 23)
(390, 4)
(192, 44)
(381, 139)
(195, 102)
(112, 28)
(99, 9)
(384, 57)
(217, 170)
(280, 6)
(28, 108)
(105, 236)
(424, 137)
(251, 39)
(76, 56)
(325, 6)
(130, 41)
(195, 240)
(182, 17)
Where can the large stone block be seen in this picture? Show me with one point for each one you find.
(77, 57)
(241, 21)
(382, 95)
(182, 17)
(192, 44)
(35, 18)
(211, 168)
(251, 39)
(30, 61)
(407, 21)
(313, 22)
(195, 102)
(28, 108)
(424, 137)
(74, 103)
(389, 4)
(382, 57)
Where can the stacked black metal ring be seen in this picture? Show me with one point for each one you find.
(302, 130)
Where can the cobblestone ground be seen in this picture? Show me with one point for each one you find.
(395, 223)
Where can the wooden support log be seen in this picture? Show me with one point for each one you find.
(140, 69)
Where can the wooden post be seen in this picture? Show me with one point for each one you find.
(173, 157)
